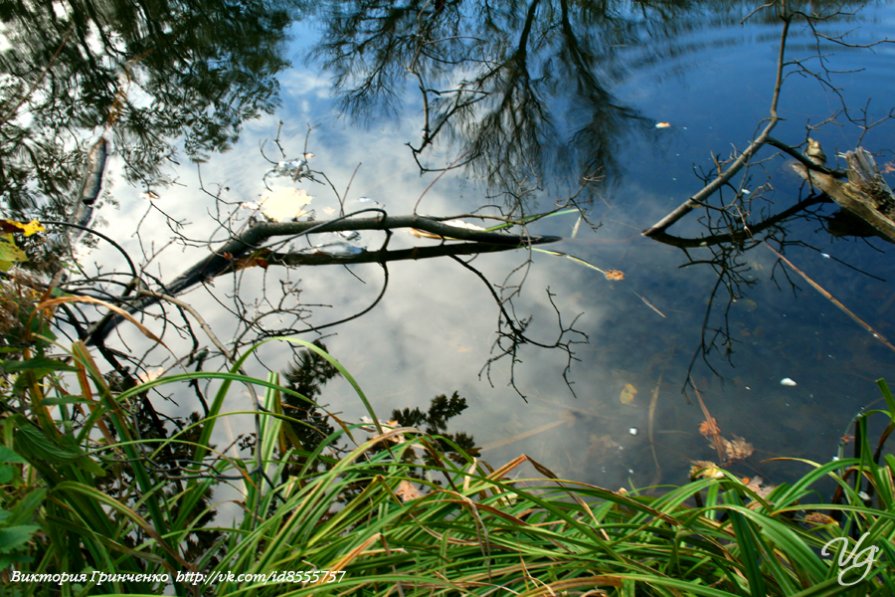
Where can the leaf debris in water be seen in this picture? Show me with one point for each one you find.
(628, 393)
(614, 275)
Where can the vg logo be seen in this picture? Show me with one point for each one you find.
(857, 559)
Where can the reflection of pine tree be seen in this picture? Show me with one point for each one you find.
(306, 376)
(434, 422)
(310, 426)
(171, 463)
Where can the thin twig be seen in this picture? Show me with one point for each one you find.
(836, 302)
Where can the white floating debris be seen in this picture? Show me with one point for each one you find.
(338, 249)
(282, 204)
(788, 382)
(663, 125)
(633, 431)
(746, 192)
(825, 255)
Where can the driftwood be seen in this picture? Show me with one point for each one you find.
(866, 193)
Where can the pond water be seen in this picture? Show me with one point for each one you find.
(633, 99)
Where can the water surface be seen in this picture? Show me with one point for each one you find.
(545, 101)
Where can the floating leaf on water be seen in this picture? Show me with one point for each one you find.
(628, 393)
(150, 374)
(663, 125)
(737, 448)
(749, 304)
(786, 381)
(633, 431)
(296, 168)
(423, 234)
(820, 518)
(601, 443)
(283, 204)
(32, 227)
(709, 428)
(614, 274)
(758, 485)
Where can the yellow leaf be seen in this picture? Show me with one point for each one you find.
(283, 204)
(704, 469)
(628, 393)
(28, 229)
(32, 227)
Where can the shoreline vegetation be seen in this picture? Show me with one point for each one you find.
(381, 508)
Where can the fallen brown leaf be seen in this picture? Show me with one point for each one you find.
(819, 518)
(407, 491)
(737, 448)
(709, 428)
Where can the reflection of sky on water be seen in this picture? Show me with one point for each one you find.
(433, 331)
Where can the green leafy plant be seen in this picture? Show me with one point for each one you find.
(375, 508)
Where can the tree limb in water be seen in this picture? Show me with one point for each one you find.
(247, 249)
(866, 193)
(724, 176)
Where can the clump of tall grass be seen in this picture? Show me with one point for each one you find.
(375, 508)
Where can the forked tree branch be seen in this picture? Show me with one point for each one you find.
(723, 177)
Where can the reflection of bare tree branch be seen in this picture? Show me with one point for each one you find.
(503, 82)
(511, 334)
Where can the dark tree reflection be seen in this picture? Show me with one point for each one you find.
(141, 73)
(524, 89)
